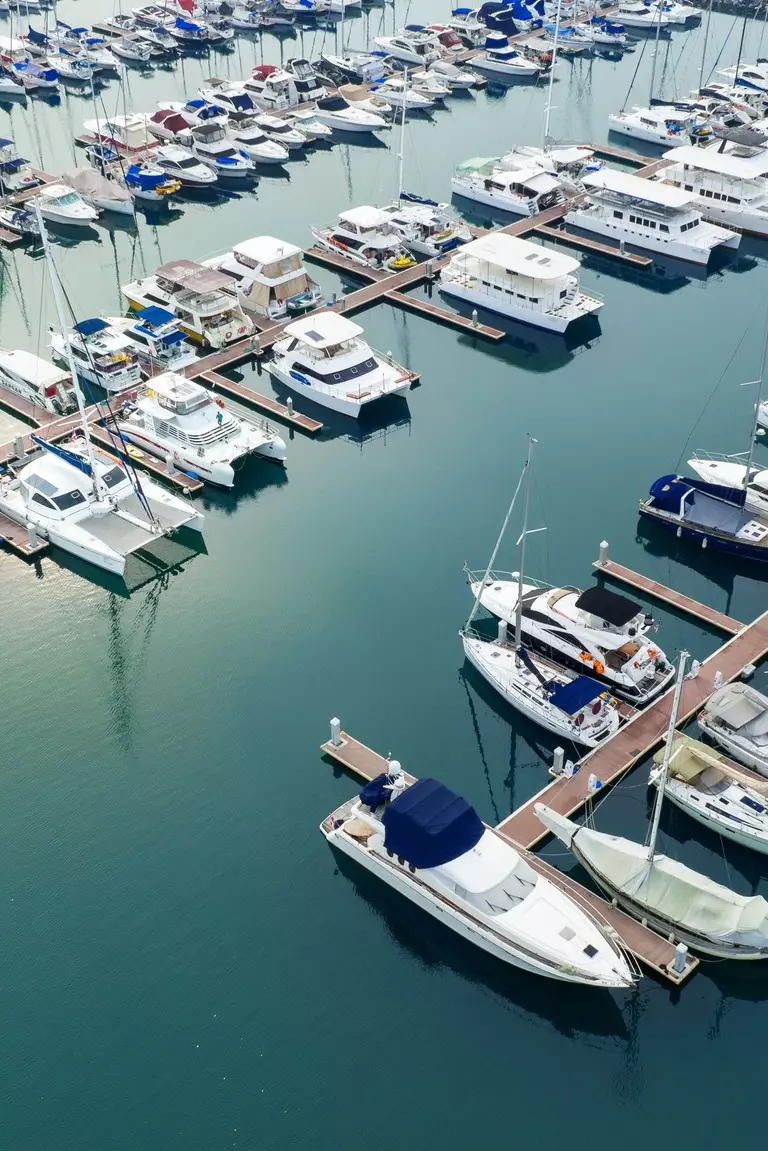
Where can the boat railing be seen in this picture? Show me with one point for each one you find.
(720, 457)
(496, 576)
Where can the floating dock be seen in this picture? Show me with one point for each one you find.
(17, 539)
(265, 403)
(650, 949)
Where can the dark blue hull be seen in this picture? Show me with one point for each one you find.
(705, 538)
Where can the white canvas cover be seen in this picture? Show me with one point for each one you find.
(90, 183)
(691, 759)
(739, 706)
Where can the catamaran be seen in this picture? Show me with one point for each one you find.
(429, 845)
(366, 236)
(523, 190)
(672, 898)
(730, 186)
(177, 419)
(574, 707)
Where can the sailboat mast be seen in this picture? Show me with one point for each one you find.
(655, 53)
(741, 46)
(662, 780)
(402, 140)
(58, 301)
(756, 421)
(495, 551)
(519, 608)
(548, 109)
(704, 49)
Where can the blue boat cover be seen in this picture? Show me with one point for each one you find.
(36, 37)
(415, 27)
(412, 198)
(668, 491)
(242, 101)
(90, 327)
(496, 42)
(461, 12)
(12, 165)
(375, 791)
(5, 143)
(572, 697)
(154, 315)
(63, 454)
(428, 825)
(187, 25)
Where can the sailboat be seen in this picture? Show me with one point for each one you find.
(86, 501)
(574, 707)
(672, 898)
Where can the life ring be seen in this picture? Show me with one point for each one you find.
(227, 335)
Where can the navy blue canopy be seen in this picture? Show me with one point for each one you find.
(5, 143)
(375, 791)
(428, 825)
(155, 316)
(242, 101)
(36, 37)
(668, 491)
(12, 165)
(573, 696)
(186, 25)
(90, 327)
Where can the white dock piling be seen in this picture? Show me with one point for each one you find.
(558, 760)
(603, 558)
(18, 447)
(336, 732)
(289, 406)
(32, 535)
(474, 317)
(678, 963)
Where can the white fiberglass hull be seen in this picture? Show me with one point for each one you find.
(549, 321)
(335, 401)
(502, 69)
(52, 216)
(470, 929)
(744, 750)
(647, 135)
(477, 192)
(687, 799)
(678, 249)
(185, 458)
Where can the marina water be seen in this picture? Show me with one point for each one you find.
(184, 963)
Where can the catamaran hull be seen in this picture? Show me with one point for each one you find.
(547, 320)
(401, 882)
(647, 135)
(219, 473)
(674, 249)
(338, 404)
(479, 195)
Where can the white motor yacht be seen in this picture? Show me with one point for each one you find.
(62, 205)
(410, 47)
(736, 718)
(366, 99)
(279, 132)
(717, 794)
(649, 215)
(753, 76)
(15, 172)
(469, 26)
(37, 381)
(135, 51)
(183, 166)
(125, 133)
(169, 125)
(665, 125)
(270, 277)
(176, 419)
(676, 13)
(400, 93)
(197, 112)
(201, 299)
(339, 114)
(427, 228)
(357, 68)
(102, 356)
(429, 845)
(595, 631)
(308, 84)
(429, 84)
(502, 61)
(635, 14)
(366, 236)
(453, 76)
(731, 187)
(324, 358)
(521, 280)
(522, 191)
(272, 89)
(211, 144)
(251, 139)
(307, 121)
(102, 194)
(157, 338)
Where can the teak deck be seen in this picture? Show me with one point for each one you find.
(648, 947)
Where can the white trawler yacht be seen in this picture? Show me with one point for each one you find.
(595, 631)
(429, 845)
(103, 356)
(366, 236)
(672, 898)
(717, 794)
(736, 718)
(324, 358)
(519, 279)
(649, 215)
(201, 299)
(270, 277)
(523, 191)
(571, 706)
(175, 418)
(730, 186)
(37, 381)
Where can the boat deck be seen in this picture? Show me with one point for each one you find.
(650, 949)
(186, 483)
(669, 596)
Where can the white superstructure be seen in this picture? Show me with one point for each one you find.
(270, 277)
(730, 186)
(665, 125)
(521, 189)
(201, 299)
(366, 236)
(102, 355)
(36, 380)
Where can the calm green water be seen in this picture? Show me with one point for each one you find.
(184, 963)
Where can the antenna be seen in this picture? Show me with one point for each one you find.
(663, 774)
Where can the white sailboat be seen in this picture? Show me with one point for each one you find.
(672, 898)
(573, 707)
(84, 500)
(430, 846)
(736, 718)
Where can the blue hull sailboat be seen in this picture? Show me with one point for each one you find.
(692, 509)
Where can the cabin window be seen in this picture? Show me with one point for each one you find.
(688, 187)
(734, 200)
(716, 196)
(618, 215)
(534, 299)
(138, 338)
(113, 476)
(38, 499)
(486, 283)
(663, 227)
(651, 223)
(707, 192)
(564, 293)
(69, 500)
(497, 287)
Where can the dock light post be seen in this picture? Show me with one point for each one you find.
(18, 447)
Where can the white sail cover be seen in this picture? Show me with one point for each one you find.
(89, 183)
(667, 887)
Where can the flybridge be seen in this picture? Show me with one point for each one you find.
(637, 190)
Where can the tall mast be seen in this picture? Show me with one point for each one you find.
(402, 140)
(741, 46)
(494, 553)
(519, 608)
(655, 51)
(548, 109)
(53, 275)
(756, 421)
(662, 779)
(704, 49)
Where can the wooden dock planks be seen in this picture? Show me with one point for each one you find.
(563, 237)
(264, 403)
(17, 539)
(648, 947)
(667, 595)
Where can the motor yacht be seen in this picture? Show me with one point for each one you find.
(358, 68)
(412, 48)
(521, 190)
(272, 89)
(649, 215)
(15, 172)
(306, 80)
(500, 60)
(182, 165)
(128, 133)
(731, 187)
(270, 277)
(168, 125)
(211, 144)
(636, 14)
(447, 41)
(198, 112)
(736, 718)
(595, 631)
(721, 796)
(470, 28)
(366, 99)
(104, 195)
(176, 419)
(365, 236)
(429, 845)
(160, 40)
(280, 132)
(665, 125)
(400, 93)
(324, 358)
(339, 114)
(230, 98)
(426, 228)
(102, 356)
(677, 13)
(62, 205)
(157, 339)
(309, 124)
(200, 298)
(136, 51)
(521, 280)
(37, 381)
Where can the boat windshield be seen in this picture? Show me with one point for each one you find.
(67, 199)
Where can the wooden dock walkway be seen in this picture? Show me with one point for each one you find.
(263, 403)
(16, 538)
(588, 245)
(649, 948)
(667, 595)
(622, 154)
(640, 735)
